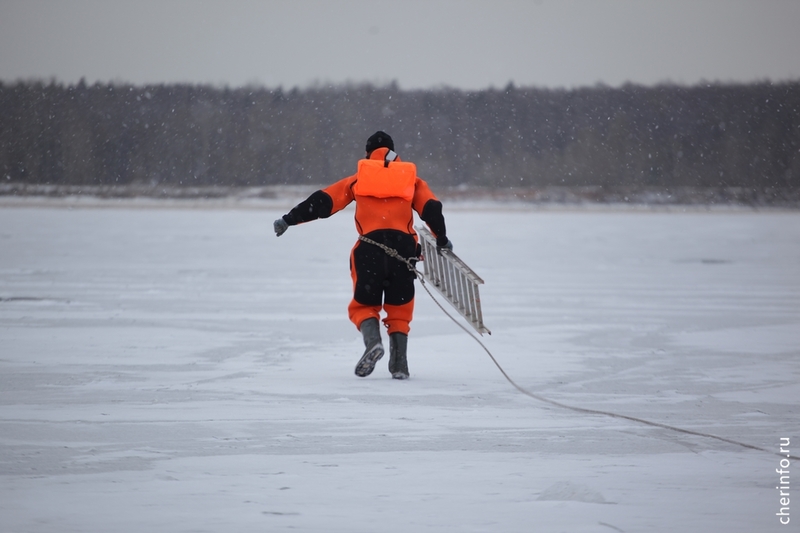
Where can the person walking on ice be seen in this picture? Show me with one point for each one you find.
(385, 190)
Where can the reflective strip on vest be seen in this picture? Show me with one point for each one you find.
(394, 181)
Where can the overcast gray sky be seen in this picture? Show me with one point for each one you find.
(468, 44)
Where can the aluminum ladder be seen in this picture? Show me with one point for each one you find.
(454, 280)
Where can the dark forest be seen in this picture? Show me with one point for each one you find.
(182, 135)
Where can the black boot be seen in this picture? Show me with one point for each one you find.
(398, 362)
(371, 330)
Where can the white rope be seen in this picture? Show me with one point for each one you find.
(409, 262)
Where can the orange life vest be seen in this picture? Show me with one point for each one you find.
(385, 179)
(386, 196)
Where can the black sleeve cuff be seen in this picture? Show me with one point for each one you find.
(318, 205)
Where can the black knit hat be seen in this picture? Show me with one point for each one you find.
(379, 139)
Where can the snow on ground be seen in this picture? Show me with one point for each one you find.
(183, 370)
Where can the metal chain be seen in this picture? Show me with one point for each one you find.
(391, 252)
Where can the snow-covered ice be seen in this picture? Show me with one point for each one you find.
(183, 370)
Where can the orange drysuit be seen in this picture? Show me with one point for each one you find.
(386, 191)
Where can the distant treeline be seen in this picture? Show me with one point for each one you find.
(664, 136)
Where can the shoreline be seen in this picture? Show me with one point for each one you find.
(617, 199)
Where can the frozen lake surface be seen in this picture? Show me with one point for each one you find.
(183, 370)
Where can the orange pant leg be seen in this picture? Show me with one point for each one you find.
(360, 312)
(398, 317)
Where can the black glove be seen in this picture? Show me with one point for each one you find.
(280, 226)
(443, 243)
